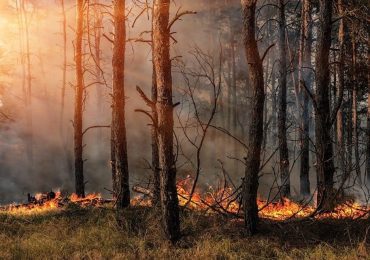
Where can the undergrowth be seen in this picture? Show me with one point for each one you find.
(77, 233)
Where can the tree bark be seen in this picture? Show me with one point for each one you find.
(340, 131)
(234, 87)
(164, 106)
(155, 156)
(368, 112)
(354, 107)
(324, 148)
(304, 81)
(255, 136)
(283, 145)
(78, 138)
(154, 133)
(121, 178)
(98, 26)
(273, 106)
(349, 130)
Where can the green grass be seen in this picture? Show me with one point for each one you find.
(77, 233)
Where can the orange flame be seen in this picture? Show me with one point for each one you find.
(223, 201)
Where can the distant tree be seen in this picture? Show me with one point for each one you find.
(255, 136)
(8, 108)
(24, 46)
(99, 77)
(64, 80)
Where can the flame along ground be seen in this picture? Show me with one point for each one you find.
(222, 201)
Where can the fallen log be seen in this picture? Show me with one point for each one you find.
(143, 191)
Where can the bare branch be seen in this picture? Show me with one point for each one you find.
(178, 17)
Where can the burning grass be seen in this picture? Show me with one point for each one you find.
(53, 201)
(52, 225)
(79, 232)
(223, 201)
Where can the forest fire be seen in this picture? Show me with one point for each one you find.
(188, 129)
(224, 201)
(44, 202)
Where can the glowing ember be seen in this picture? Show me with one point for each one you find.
(89, 197)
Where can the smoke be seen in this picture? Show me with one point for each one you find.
(52, 139)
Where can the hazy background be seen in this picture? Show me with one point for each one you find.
(52, 145)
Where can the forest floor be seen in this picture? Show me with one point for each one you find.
(77, 233)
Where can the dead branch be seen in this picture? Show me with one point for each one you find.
(178, 17)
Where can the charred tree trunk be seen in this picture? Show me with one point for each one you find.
(78, 136)
(273, 106)
(283, 145)
(340, 131)
(349, 135)
(304, 81)
(229, 95)
(255, 136)
(154, 133)
(121, 174)
(164, 106)
(234, 96)
(324, 148)
(368, 113)
(354, 107)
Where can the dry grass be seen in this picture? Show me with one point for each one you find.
(77, 233)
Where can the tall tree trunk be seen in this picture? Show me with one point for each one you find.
(255, 73)
(234, 97)
(349, 135)
(304, 81)
(28, 97)
(78, 136)
(20, 20)
(164, 106)
(368, 112)
(65, 137)
(273, 106)
(229, 95)
(283, 145)
(340, 132)
(64, 80)
(354, 107)
(121, 178)
(324, 148)
(98, 26)
(154, 133)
